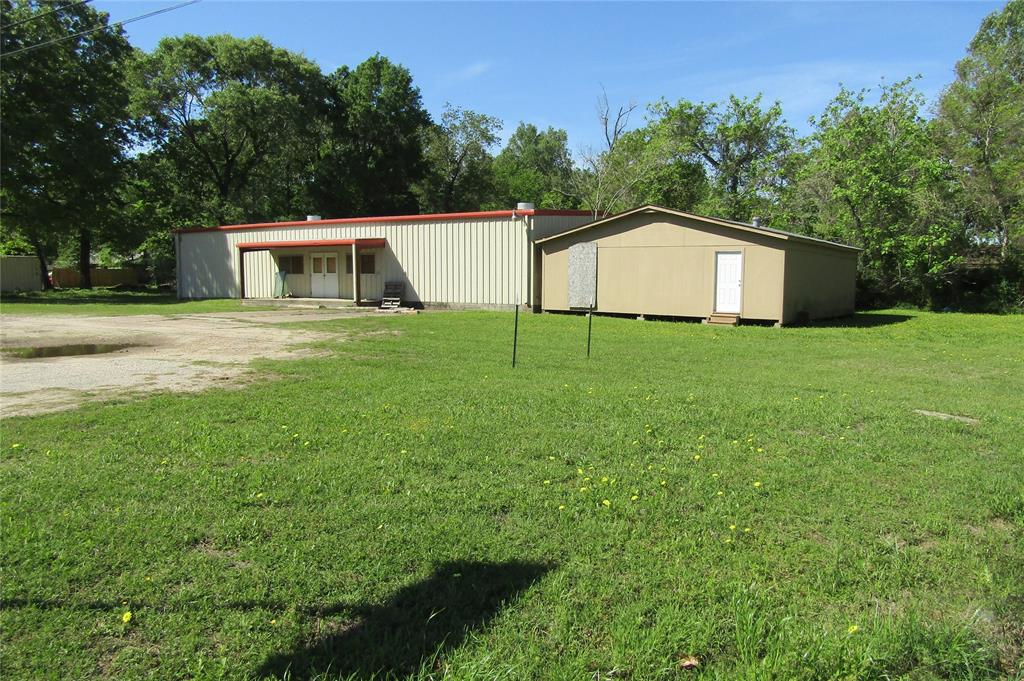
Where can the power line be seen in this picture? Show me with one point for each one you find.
(31, 48)
(46, 14)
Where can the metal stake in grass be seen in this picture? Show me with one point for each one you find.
(590, 326)
(515, 334)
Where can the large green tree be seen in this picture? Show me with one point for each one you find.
(64, 126)
(372, 150)
(237, 121)
(980, 126)
(458, 153)
(534, 166)
(742, 146)
(872, 178)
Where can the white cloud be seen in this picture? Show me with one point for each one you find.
(474, 70)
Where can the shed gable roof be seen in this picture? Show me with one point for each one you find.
(722, 222)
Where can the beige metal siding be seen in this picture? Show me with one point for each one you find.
(820, 283)
(260, 271)
(662, 265)
(478, 261)
(20, 273)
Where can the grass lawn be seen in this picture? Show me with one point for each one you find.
(107, 302)
(692, 502)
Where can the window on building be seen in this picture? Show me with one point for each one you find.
(348, 263)
(367, 263)
(290, 264)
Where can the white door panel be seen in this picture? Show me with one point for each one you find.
(728, 282)
(323, 273)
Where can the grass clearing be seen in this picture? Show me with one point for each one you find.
(109, 302)
(692, 502)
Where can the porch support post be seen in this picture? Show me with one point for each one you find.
(355, 273)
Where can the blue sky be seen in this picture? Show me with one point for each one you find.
(546, 63)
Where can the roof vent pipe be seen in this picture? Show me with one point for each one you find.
(312, 218)
(524, 205)
(757, 221)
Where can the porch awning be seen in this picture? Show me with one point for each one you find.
(315, 243)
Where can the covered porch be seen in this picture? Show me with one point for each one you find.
(325, 269)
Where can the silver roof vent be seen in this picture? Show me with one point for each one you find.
(312, 218)
(524, 205)
(756, 221)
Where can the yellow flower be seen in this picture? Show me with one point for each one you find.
(757, 483)
(746, 529)
(404, 451)
(664, 482)
(606, 502)
(580, 471)
(604, 478)
(126, 617)
(16, 445)
(715, 476)
(853, 629)
(561, 508)
(760, 449)
(273, 621)
(732, 527)
(729, 540)
(696, 457)
(634, 498)
(584, 489)
(720, 492)
(551, 458)
(547, 482)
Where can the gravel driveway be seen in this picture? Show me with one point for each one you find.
(177, 353)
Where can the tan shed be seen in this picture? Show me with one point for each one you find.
(661, 262)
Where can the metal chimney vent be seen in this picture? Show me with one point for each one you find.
(312, 218)
(524, 205)
(756, 221)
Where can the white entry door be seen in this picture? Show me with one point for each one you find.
(728, 280)
(323, 275)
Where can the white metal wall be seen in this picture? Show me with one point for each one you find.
(478, 261)
(260, 270)
(20, 273)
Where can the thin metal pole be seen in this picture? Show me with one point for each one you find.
(590, 329)
(515, 335)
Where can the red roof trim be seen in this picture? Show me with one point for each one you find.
(387, 218)
(315, 243)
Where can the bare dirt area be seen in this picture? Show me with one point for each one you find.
(140, 354)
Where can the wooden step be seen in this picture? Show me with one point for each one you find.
(723, 319)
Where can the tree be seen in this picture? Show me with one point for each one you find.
(459, 175)
(532, 167)
(65, 125)
(872, 178)
(236, 118)
(605, 179)
(741, 145)
(980, 127)
(372, 154)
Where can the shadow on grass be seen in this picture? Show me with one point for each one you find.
(74, 297)
(418, 622)
(862, 320)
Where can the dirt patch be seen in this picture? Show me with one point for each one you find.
(947, 417)
(180, 353)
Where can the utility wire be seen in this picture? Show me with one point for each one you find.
(31, 48)
(46, 14)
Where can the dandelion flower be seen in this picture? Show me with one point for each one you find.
(547, 482)
(728, 540)
(561, 507)
(16, 445)
(732, 527)
(634, 498)
(580, 471)
(853, 629)
(606, 502)
(604, 478)
(273, 622)
(757, 483)
(720, 492)
(404, 451)
(696, 457)
(715, 476)
(664, 482)
(551, 458)
(746, 529)
(126, 617)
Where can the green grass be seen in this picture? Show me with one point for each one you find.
(411, 505)
(107, 302)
